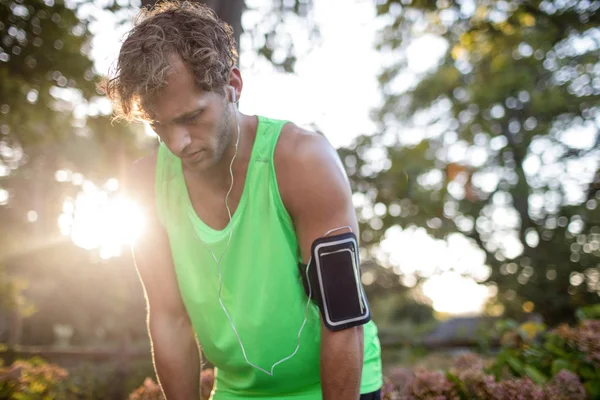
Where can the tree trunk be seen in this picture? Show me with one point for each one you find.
(229, 11)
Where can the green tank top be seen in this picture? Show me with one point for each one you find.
(262, 288)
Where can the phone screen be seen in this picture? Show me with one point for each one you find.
(344, 299)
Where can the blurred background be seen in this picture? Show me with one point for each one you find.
(470, 132)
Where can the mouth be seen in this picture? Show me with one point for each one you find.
(193, 157)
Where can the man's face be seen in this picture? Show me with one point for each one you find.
(194, 124)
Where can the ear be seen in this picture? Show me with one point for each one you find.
(235, 81)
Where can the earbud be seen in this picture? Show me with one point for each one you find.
(233, 97)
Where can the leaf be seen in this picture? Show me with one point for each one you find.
(459, 385)
(556, 350)
(507, 324)
(515, 365)
(588, 312)
(535, 375)
(561, 364)
(593, 389)
(587, 372)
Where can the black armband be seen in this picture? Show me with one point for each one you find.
(334, 282)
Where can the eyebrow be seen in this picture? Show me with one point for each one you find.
(185, 115)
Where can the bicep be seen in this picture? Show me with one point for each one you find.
(326, 208)
(320, 199)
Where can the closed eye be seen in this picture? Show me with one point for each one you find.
(191, 118)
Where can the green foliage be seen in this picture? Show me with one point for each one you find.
(533, 363)
(588, 312)
(35, 379)
(531, 351)
(483, 143)
(41, 56)
(12, 297)
(52, 116)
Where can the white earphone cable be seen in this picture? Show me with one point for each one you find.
(218, 261)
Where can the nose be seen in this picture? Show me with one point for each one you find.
(179, 140)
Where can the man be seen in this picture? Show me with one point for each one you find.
(234, 204)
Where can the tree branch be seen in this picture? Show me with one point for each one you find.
(521, 203)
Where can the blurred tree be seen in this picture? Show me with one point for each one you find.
(269, 36)
(51, 118)
(499, 140)
(50, 112)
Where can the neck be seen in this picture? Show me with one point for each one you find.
(218, 176)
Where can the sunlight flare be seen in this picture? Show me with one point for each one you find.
(97, 219)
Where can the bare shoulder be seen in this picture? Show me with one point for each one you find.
(300, 150)
(307, 165)
(297, 142)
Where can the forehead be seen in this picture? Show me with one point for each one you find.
(180, 94)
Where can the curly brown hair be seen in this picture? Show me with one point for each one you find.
(186, 29)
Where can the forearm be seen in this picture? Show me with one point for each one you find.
(176, 359)
(341, 363)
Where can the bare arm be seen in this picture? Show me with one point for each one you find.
(174, 347)
(317, 194)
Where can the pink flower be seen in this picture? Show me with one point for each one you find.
(400, 377)
(468, 361)
(565, 386)
(586, 338)
(430, 386)
(517, 389)
(477, 384)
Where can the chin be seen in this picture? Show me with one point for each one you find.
(200, 165)
(197, 166)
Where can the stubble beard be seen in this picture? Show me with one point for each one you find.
(227, 134)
